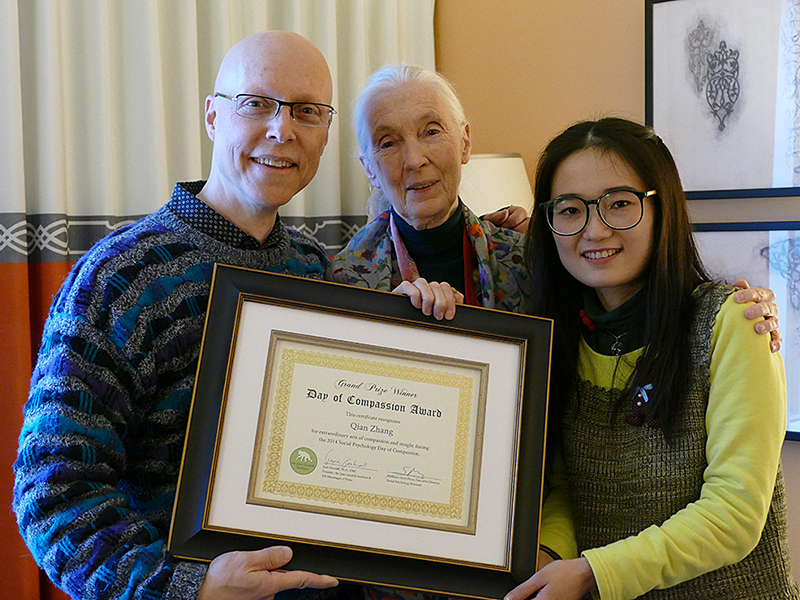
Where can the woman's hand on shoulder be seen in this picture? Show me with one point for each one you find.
(764, 306)
(437, 299)
(559, 580)
(510, 217)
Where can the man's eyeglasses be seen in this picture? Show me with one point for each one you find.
(618, 209)
(253, 106)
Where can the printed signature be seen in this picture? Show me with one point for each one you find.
(412, 473)
(345, 462)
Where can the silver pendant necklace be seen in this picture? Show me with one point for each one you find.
(616, 347)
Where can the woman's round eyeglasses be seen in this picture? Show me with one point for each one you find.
(618, 209)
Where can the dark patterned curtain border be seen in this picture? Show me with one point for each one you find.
(331, 232)
(64, 238)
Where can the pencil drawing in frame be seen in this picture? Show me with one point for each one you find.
(722, 92)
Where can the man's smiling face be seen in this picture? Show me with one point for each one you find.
(258, 163)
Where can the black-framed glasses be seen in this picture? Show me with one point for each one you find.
(253, 106)
(619, 209)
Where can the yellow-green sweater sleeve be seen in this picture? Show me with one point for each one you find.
(746, 424)
(558, 528)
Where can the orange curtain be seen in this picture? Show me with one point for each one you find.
(25, 295)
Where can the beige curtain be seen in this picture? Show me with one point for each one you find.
(104, 103)
(102, 106)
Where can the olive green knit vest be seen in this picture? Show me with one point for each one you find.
(625, 478)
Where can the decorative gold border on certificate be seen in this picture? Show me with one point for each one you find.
(272, 482)
(409, 511)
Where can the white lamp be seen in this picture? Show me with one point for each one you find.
(493, 181)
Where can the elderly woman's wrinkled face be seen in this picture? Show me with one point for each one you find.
(416, 155)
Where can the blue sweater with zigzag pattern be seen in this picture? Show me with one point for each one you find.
(101, 444)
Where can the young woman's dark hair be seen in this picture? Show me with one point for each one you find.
(673, 271)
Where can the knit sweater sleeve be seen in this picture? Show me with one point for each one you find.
(98, 456)
(745, 421)
(557, 536)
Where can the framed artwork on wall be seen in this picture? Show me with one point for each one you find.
(723, 92)
(766, 255)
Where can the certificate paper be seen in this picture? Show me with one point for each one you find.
(353, 430)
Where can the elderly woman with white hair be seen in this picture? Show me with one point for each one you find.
(413, 138)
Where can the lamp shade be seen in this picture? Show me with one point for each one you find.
(493, 181)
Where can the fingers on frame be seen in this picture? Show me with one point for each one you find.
(299, 580)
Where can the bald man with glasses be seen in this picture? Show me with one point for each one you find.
(105, 423)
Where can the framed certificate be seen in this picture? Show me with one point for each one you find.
(383, 446)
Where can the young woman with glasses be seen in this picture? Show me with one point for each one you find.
(667, 408)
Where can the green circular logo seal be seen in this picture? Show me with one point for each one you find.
(303, 461)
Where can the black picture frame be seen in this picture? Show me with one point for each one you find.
(190, 538)
(754, 251)
(721, 128)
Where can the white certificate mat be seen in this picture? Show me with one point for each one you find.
(483, 539)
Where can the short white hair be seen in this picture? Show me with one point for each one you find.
(394, 76)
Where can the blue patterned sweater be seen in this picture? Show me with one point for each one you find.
(101, 443)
